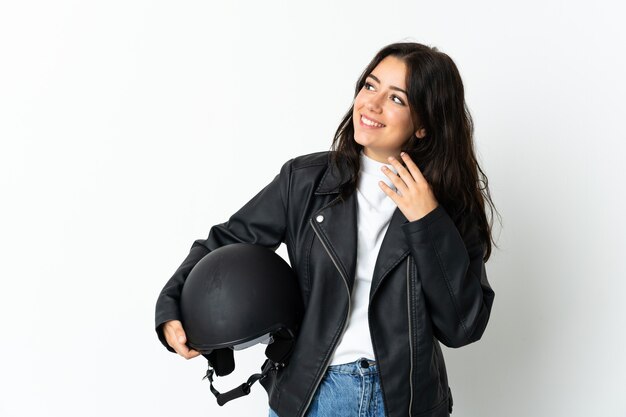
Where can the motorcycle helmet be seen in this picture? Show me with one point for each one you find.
(235, 297)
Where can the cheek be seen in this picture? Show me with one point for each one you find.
(401, 119)
(358, 102)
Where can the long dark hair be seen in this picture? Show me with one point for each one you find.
(446, 155)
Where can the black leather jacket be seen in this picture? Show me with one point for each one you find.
(429, 285)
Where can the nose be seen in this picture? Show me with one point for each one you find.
(373, 103)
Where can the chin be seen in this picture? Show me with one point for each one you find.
(359, 141)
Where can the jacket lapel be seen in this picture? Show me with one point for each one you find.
(336, 222)
(393, 249)
(338, 227)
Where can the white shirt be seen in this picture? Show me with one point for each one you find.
(374, 211)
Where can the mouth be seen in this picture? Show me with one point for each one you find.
(369, 123)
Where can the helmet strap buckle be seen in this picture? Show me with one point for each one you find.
(243, 389)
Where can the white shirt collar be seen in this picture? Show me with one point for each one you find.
(373, 167)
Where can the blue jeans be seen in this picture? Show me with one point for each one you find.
(347, 390)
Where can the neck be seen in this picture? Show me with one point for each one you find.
(381, 156)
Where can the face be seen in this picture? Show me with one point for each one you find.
(384, 101)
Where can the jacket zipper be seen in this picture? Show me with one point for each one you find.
(408, 299)
(345, 281)
(380, 375)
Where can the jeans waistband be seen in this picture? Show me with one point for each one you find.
(361, 366)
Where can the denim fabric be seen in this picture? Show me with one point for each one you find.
(347, 390)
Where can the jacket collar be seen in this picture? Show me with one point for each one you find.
(339, 227)
(334, 178)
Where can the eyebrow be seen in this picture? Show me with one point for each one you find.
(393, 87)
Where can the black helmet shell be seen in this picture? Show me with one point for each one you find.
(238, 293)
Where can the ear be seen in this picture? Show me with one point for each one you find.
(420, 133)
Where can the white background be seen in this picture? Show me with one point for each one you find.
(128, 128)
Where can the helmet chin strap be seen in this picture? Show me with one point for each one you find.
(221, 362)
(243, 389)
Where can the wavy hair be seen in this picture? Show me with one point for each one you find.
(446, 155)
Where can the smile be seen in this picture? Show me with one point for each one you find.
(370, 123)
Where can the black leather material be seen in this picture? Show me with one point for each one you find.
(429, 285)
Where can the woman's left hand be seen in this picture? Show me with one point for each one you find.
(417, 199)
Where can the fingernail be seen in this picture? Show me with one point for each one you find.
(401, 153)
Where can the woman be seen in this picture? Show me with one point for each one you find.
(388, 235)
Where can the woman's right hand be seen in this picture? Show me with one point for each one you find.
(176, 338)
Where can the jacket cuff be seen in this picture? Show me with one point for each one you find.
(425, 221)
(160, 319)
(159, 330)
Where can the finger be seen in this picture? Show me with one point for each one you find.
(413, 168)
(169, 330)
(183, 350)
(395, 179)
(188, 353)
(180, 336)
(180, 341)
(193, 354)
(389, 191)
(174, 332)
(177, 339)
(172, 340)
(402, 172)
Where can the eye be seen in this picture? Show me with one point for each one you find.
(399, 100)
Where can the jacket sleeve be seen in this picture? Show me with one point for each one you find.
(453, 277)
(261, 221)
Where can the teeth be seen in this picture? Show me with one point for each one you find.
(370, 123)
